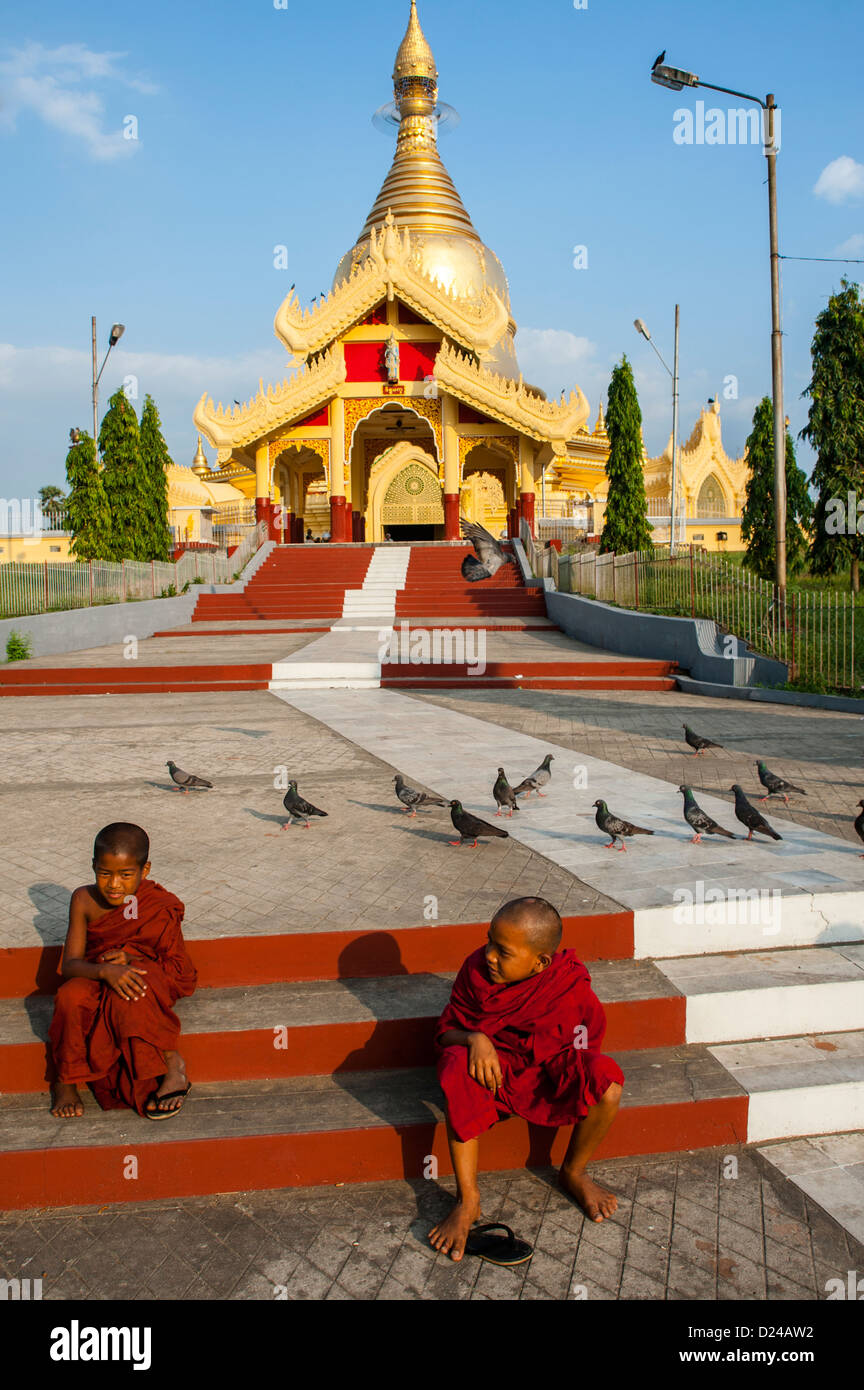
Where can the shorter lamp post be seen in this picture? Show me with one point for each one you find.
(640, 328)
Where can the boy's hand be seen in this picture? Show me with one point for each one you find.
(115, 957)
(125, 980)
(483, 1062)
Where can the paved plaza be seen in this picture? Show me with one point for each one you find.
(683, 1229)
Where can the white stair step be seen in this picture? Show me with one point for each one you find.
(770, 994)
(800, 1085)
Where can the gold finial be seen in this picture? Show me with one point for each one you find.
(199, 463)
(415, 58)
(600, 427)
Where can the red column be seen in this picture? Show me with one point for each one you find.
(526, 507)
(265, 511)
(335, 519)
(513, 523)
(297, 530)
(451, 516)
(356, 526)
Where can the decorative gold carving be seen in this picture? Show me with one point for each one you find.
(413, 498)
(272, 409)
(391, 268)
(549, 422)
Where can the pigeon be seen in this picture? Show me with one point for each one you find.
(699, 820)
(611, 825)
(775, 786)
(504, 794)
(297, 808)
(411, 798)
(185, 780)
(749, 816)
(489, 555)
(700, 744)
(471, 827)
(538, 779)
(859, 825)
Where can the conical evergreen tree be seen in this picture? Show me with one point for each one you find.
(835, 428)
(757, 519)
(154, 459)
(86, 504)
(122, 478)
(625, 527)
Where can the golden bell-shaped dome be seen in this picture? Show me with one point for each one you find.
(199, 463)
(422, 196)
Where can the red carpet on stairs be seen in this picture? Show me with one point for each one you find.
(295, 581)
(435, 585)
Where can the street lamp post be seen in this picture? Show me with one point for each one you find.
(675, 79)
(117, 331)
(673, 501)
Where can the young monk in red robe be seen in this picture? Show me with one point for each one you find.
(125, 965)
(521, 1036)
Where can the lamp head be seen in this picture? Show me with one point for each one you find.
(640, 328)
(117, 332)
(673, 78)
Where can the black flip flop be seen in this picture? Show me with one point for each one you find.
(498, 1250)
(155, 1097)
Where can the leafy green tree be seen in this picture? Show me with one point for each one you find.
(757, 519)
(123, 479)
(154, 460)
(89, 517)
(625, 527)
(835, 428)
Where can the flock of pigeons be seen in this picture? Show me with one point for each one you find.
(472, 829)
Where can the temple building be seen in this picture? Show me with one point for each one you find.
(407, 406)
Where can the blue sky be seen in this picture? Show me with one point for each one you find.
(254, 131)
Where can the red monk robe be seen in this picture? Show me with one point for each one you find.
(548, 1078)
(116, 1043)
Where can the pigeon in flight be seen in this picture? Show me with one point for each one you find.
(489, 555)
(185, 780)
(775, 786)
(699, 820)
(504, 794)
(411, 798)
(859, 825)
(611, 825)
(541, 778)
(700, 744)
(749, 816)
(471, 827)
(297, 808)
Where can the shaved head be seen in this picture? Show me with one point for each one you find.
(124, 839)
(537, 920)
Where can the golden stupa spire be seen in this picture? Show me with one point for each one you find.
(415, 57)
(199, 463)
(418, 190)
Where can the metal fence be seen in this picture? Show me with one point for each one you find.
(817, 633)
(27, 589)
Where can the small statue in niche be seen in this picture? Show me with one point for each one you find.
(391, 360)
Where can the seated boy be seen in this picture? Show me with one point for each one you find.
(125, 965)
(521, 1036)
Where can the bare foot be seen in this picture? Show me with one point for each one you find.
(175, 1079)
(450, 1235)
(597, 1202)
(67, 1101)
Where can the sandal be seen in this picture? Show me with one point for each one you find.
(498, 1250)
(154, 1098)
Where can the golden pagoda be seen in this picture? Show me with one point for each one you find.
(406, 405)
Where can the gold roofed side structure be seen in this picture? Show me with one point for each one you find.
(406, 405)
